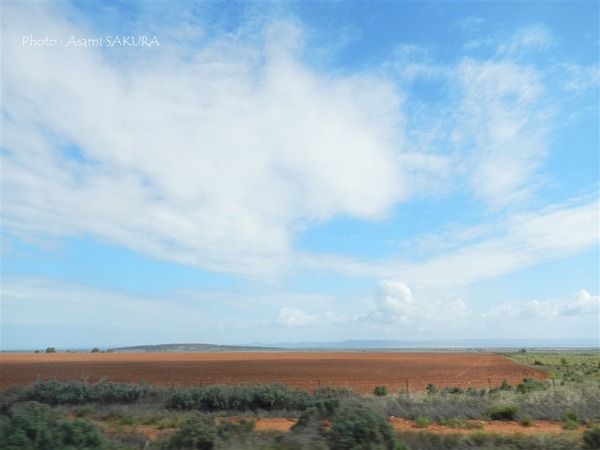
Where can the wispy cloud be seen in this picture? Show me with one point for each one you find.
(520, 241)
(214, 165)
(527, 39)
(505, 128)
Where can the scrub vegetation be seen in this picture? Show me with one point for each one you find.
(107, 415)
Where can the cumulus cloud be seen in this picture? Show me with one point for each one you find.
(393, 301)
(581, 303)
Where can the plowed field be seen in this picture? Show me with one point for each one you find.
(360, 371)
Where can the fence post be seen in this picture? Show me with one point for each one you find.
(407, 391)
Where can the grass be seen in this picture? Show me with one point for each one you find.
(565, 367)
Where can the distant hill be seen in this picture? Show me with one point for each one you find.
(194, 348)
(387, 345)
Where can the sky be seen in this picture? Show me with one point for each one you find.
(266, 172)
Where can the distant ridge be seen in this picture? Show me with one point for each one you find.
(194, 348)
(374, 344)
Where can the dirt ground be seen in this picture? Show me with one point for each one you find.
(536, 427)
(360, 371)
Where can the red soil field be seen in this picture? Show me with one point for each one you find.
(360, 371)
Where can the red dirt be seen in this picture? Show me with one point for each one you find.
(400, 425)
(281, 424)
(360, 371)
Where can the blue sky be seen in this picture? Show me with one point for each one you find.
(299, 171)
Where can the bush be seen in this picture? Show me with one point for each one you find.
(360, 429)
(531, 385)
(270, 397)
(431, 389)
(381, 391)
(422, 422)
(591, 438)
(35, 426)
(452, 390)
(197, 433)
(321, 410)
(50, 350)
(502, 412)
(570, 425)
(237, 431)
(527, 421)
(424, 440)
(333, 392)
(77, 393)
(572, 416)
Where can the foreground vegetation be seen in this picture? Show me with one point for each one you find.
(78, 416)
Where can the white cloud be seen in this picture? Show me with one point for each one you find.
(469, 24)
(581, 79)
(393, 302)
(543, 310)
(501, 121)
(581, 303)
(293, 317)
(532, 37)
(216, 164)
(518, 241)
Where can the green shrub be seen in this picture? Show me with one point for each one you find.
(321, 410)
(54, 392)
(198, 432)
(333, 392)
(424, 440)
(570, 425)
(431, 388)
(526, 421)
(127, 419)
(237, 431)
(360, 428)
(502, 412)
(531, 385)
(270, 397)
(381, 391)
(34, 426)
(591, 438)
(84, 411)
(452, 390)
(572, 416)
(422, 422)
